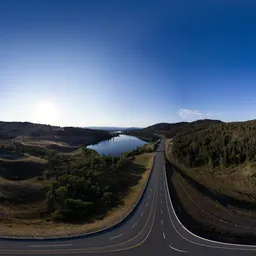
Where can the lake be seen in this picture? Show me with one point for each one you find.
(117, 145)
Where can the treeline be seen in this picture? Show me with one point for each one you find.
(218, 145)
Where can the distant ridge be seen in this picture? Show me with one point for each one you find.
(171, 129)
(111, 128)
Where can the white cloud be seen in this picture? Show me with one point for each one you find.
(190, 115)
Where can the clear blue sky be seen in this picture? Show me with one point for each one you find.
(127, 63)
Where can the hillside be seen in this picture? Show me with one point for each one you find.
(221, 157)
(216, 166)
(70, 135)
(46, 172)
(169, 130)
(71, 187)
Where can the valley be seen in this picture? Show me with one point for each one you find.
(51, 183)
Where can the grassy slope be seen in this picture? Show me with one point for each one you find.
(20, 169)
(21, 199)
(70, 135)
(34, 226)
(236, 174)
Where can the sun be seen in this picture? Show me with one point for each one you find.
(46, 112)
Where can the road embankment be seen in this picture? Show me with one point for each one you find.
(206, 212)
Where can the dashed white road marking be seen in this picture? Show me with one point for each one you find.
(146, 204)
(142, 214)
(177, 249)
(162, 222)
(115, 236)
(161, 211)
(48, 245)
(164, 235)
(135, 224)
(161, 201)
(148, 197)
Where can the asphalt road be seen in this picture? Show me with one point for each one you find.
(154, 229)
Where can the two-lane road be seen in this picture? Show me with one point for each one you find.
(153, 229)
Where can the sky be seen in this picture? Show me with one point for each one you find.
(127, 63)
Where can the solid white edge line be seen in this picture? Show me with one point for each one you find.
(115, 237)
(249, 247)
(177, 249)
(48, 245)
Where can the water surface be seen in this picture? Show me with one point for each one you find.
(117, 145)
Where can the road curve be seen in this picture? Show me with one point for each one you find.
(154, 229)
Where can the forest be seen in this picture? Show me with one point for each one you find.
(88, 185)
(143, 135)
(218, 145)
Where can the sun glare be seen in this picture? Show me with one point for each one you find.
(45, 113)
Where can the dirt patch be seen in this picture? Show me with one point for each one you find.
(42, 228)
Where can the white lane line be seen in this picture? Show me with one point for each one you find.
(234, 246)
(176, 249)
(164, 235)
(161, 211)
(142, 214)
(162, 222)
(48, 245)
(161, 201)
(148, 197)
(115, 237)
(135, 224)
(146, 204)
